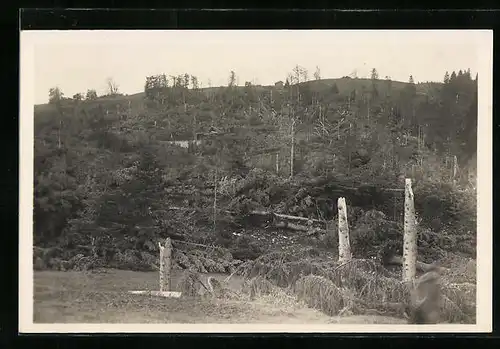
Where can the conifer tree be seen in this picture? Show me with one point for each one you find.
(446, 77)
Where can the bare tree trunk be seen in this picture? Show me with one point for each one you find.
(410, 236)
(344, 244)
(277, 163)
(165, 265)
(455, 169)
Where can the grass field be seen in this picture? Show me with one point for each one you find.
(77, 297)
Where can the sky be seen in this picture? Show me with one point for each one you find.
(76, 61)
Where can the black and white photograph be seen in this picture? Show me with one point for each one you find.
(255, 181)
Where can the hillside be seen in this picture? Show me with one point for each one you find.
(345, 86)
(110, 182)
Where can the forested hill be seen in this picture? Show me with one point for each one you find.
(106, 167)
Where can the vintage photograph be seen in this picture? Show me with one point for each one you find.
(325, 178)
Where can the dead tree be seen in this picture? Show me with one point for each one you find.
(410, 237)
(425, 291)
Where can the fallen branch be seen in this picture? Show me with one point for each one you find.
(291, 226)
(285, 216)
(257, 213)
(192, 209)
(175, 208)
(421, 266)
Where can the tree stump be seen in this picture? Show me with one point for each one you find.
(344, 244)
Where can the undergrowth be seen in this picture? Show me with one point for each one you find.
(354, 287)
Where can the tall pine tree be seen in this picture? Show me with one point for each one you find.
(446, 77)
(453, 76)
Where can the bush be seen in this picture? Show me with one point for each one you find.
(453, 208)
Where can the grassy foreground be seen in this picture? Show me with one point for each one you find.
(79, 297)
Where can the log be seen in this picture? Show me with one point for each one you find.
(157, 293)
(256, 213)
(420, 266)
(285, 216)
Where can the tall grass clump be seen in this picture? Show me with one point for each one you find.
(322, 294)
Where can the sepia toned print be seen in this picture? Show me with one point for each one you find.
(273, 180)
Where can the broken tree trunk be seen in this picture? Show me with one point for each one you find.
(410, 236)
(165, 265)
(344, 244)
(292, 226)
(162, 266)
(168, 264)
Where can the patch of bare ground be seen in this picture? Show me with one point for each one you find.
(78, 297)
